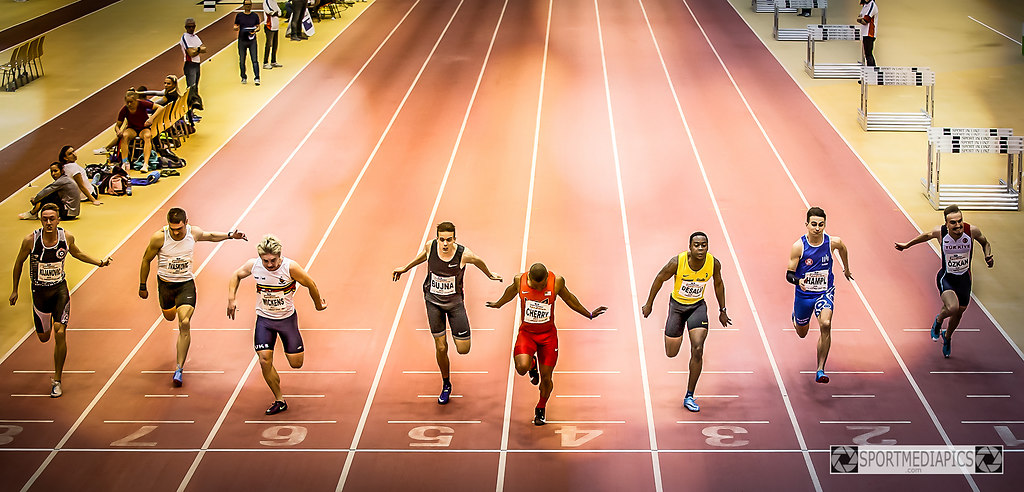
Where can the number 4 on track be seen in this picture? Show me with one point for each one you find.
(574, 438)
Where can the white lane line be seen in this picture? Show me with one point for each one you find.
(186, 372)
(586, 372)
(217, 329)
(864, 422)
(149, 421)
(452, 372)
(98, 329)
(993, 29)
(336, 329)
(992, 421)
(732, 249)
(50, 371)
(507, 414)
(958, 330)
(279, 422)
(305, 396)
(26, 395)
(970, 372)
(833, 329)
(9, 421)
(314, 371)
(429, 226)
(165, 396)
(474, 329)
(588, 422)
(844, 372)
(853, 396)
(434, 421)
(562, 396)
(560, 330)
(987, 396)
(435, 396)
(716, 396)
(713, 372)
(726, 422)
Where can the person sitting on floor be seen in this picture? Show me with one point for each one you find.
(62, 192)
(69, 159)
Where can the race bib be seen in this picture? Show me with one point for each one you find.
(816, 281)
(957, 264)
(442, 286)
(537, 312)
(274, 302)
(179, 265)
(50, 272)
(691, 290)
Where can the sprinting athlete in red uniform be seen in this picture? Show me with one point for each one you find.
(536, 349)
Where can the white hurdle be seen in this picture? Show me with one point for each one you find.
(1002, 196)
(831, 70)
(767, 7)
(918, 121)
(796, 34)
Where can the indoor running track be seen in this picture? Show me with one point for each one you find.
(593, 136)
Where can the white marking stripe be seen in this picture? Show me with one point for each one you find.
(587, 372)
(721, 421)
(435, 396)
(305, 396)
(715, 396)
(336, 329)
(970, 372)
(165, 396)
(289, 422)
(186, 372)
(22, 395)
(988, 396)
(560, 330)
(844, 372)
(992, 421)
(586, 421)
(218, 329)
(149, 421)
(993, 30)
(51, 372)
(451, 372)
(833, 329)
(99, 329)
(433, 421)
(713, 372)
(577, 396)
(863, 421)
(26, 421)
(474, 329)
(316, 372)
(853, 396)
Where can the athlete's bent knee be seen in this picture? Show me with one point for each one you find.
(169, 314)
(59, 328)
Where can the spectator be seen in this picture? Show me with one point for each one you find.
(296, 33)
(166, 96)
(192, 46)
(134, 121)
(868, 20)
(68, 159)
(62, 192)
(246, 24)
(272, 13)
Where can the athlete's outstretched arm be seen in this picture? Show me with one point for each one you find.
(921, 238)
(574, 303)
(306, 281)
(420, 258)
(986, 246)
(840, 247)
(794, 261)
(216, 237)
(155, 243)
(508, 295)
(666, 273)
(81, 256)
(243, 271)
(26, 248)
(469, 257)
(723, 316)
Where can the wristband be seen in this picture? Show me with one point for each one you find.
(721, 310)
(791, 277)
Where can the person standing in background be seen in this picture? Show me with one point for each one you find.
(192, 46)
(272, 16)
(246, 23)
(296, 33)
(868, 20)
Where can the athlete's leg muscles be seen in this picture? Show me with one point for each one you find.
(458, 320)
(462, 346)
(184, 333)
(547, 383)
(523, 363)
(441, 354)
(270, 374)
(295, 360)
(697, 337)
(954, 320)
(672, 345)
(801, 330)
(169, 314)
(824, 336)
(60, 350)
(950, 304)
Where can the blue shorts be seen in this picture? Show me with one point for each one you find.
(959, 284)
(267, 331)
(806, 303)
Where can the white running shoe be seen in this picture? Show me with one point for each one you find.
(55, 389)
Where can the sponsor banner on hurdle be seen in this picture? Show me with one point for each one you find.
(767, 7)
(832, 70)
(796, 34)
(916, 460)
(1004, 195)
(917, 121)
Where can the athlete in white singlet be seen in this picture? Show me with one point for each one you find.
(275, 277)
(956, 239)
(48, 247)
(174, 244)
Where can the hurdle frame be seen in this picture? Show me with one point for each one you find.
(766, 7)
(950, 140)
(831, 70)
(918, 121)
(795, 34)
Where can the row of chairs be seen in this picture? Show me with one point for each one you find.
(331, 8)
(171, 127)
(25, 66)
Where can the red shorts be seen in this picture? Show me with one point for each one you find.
(545, 345)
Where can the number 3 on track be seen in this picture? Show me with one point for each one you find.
(7, 433)
(574, 438)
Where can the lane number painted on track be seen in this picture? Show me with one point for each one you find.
(130, 439)
(283, 435)
(437, 436)
(573, 437)
(724, 436)
(7, 433)
(872, 431)
(1004, 433)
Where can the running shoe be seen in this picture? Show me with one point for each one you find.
(266, 66)
(446, 393)
(691, 404)
(244, 81)
(277, 407)
(257, 81)
(821, 377)
(538, 416)
(28, 216)
(936, 326)
(176, 379)
(946, 341)
(276, 65)
(55, 389)
(534, 373)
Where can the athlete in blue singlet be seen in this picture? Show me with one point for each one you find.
(810, 270)
(956, 239)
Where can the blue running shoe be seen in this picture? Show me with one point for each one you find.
(946, 341)
(821, 377)
(446, 393)
(936, 326)
(176, 379)
(691, 404)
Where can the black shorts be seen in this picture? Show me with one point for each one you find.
(960, 284)
(50, 304)
(691, 315)
(175, 294)
(267, 330)
(456, 316)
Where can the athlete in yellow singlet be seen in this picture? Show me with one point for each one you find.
(692, 271)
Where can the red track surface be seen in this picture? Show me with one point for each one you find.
(359, 194)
